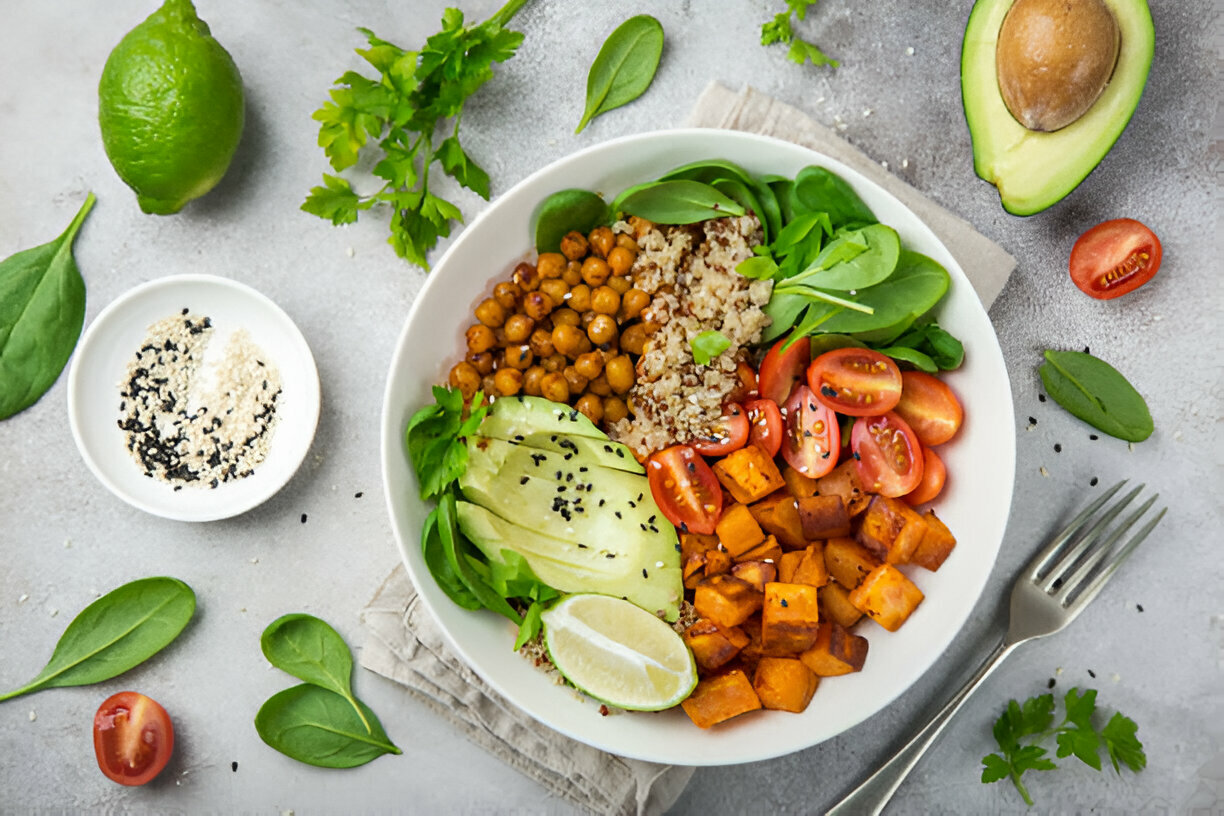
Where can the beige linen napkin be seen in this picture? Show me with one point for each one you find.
(403, 641)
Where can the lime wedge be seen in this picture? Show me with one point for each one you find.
(618, 653)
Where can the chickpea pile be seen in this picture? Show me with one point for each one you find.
(567, 329)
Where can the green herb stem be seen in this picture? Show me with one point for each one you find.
(817, 294)
(503, 16)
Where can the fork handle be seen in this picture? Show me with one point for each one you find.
(875, 792)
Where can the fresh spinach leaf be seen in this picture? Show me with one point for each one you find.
(745, 196)
(565, 211)
(820, 343)
(624, 67)
(1097, 393)
(316, 726)
(311, 650)
(531, 625)
(707, 345)
(457, 548)
(914, 357)
(120, 630)
(708, 171)
(944, 350)
(855, 260)
(821, 190)
(439, 566)
(917, 285)
(679, 201)
(42, 310)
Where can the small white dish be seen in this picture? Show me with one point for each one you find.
(100, 364)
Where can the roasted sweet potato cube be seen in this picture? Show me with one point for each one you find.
(784, 684)
(843, 481)
(779, 516)
(720, 698)
(812, 570)
(891, 529)
(753, 651)
(713, 645)
(835, 603)
(797, 484)
(749, 474)
(717, 562)
(789, 618)
(757, 573)
(823, 517)
(886, 596)
(726, 600)
(696, 543)
(935, 546)
(767, 550)
(787, 564)
(738, 531)
(835, 651)
(694, 569)
(848, 561)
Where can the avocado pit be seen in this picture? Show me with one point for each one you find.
(1054, 58)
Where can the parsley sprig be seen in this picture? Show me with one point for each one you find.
(1021, 727)
(417, 98)
(780, 30)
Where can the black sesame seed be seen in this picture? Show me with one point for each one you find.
(1092, 674)
(618, 514)
(1057, 447)
(1050, 683)
(601, 502)
(1093, 481)
(1032, 420)
(856, 456)
(1041, 397)
(644, 573)
(303, 518)
(1139, 607)
(1093, 437)
(524, 480)
(358, 494)
(784, 603)
(610, 555)
(234, 767)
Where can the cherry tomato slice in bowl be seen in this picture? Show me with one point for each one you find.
(133, 738)
(685, 488)
(929, 407)
(855, 381)
(782, 369)
(765, 420)
(934, 474)
(1114, 257)
(729, 434)
(812, 438)
(887, 455)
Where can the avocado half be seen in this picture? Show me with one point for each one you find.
(1034, 169)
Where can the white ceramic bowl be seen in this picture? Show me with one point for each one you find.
(101, 361)
(975, 503)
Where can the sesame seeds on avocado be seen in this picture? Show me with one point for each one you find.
(1048, 87)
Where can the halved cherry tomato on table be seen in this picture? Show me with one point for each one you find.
(729, 434)
(812, 438)
(133, 738)
(929, 407)
(887, 455)
(765, 420)
(685, 488)
(855, 381)
(1114, 258)
(934, 474)
(782, 369)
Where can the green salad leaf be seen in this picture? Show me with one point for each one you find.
(435, 439)
(707, 345)
(1097, 393)
(624, 67)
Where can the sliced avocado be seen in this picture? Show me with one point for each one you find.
(512, 416)
(1035, 169)
(603, 452)
(574, 567)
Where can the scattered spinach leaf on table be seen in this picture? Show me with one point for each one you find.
(316, 726)
(1097, 393)
(42, 310)
(565, 211)
(117, 632)
(780, 30)
(624, 67)
(311, 650)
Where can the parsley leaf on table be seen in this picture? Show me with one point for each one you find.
(417, 97)
(780, 30)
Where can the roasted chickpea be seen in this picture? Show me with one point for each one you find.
(640, 226)
(576, 382)
(537, 305)
(518, 328)
(531, 380)
(605, 300)
(491, 313)
(595, 271)
(619, 371)
(614, 409)
(508, 381)
(620, 283)
(488, 384)
(554, 387)
(550, 265)
(466, 378)
(565, 316)
(519, 357)
(602, 241)
(566, 339)
(580, 298)
(621, 260)
(599, 385)
(554, 362)
(573, 273)
(632, 304)
(480, 338)
(556, 289)
(602, 330)
(587, 317)
(633, 339)
(541, 343)
(574, 245)
(584, 346)
(591, 406)
(483, 361)
(526, 277)
(589, 365)
(624, 239)
(507, 294)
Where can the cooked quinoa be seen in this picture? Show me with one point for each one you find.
(689, 271)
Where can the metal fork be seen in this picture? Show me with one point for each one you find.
(1050, 593)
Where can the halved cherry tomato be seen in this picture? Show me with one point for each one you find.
(782, 369)
(685, 488)
(887, 455)
(766, 422)
(1114, 258)
(729, 434)
(813, 438)
(133, 738)
(929, 407)
(746, 388)
(855, 381)
(933, 476)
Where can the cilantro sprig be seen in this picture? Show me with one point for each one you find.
(780, 30)
(1021, 727)
(435, 438)
(417, 98)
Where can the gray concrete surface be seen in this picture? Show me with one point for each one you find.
(1155, 640)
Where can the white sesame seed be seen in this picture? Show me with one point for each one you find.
(904, 163)
(24, 597)
(884, 164)
(867, 112)
(1045, 472)
(33, 715)
(909, 52)
(349, 252)
(54, 612)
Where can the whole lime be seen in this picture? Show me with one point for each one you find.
(170, 105)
